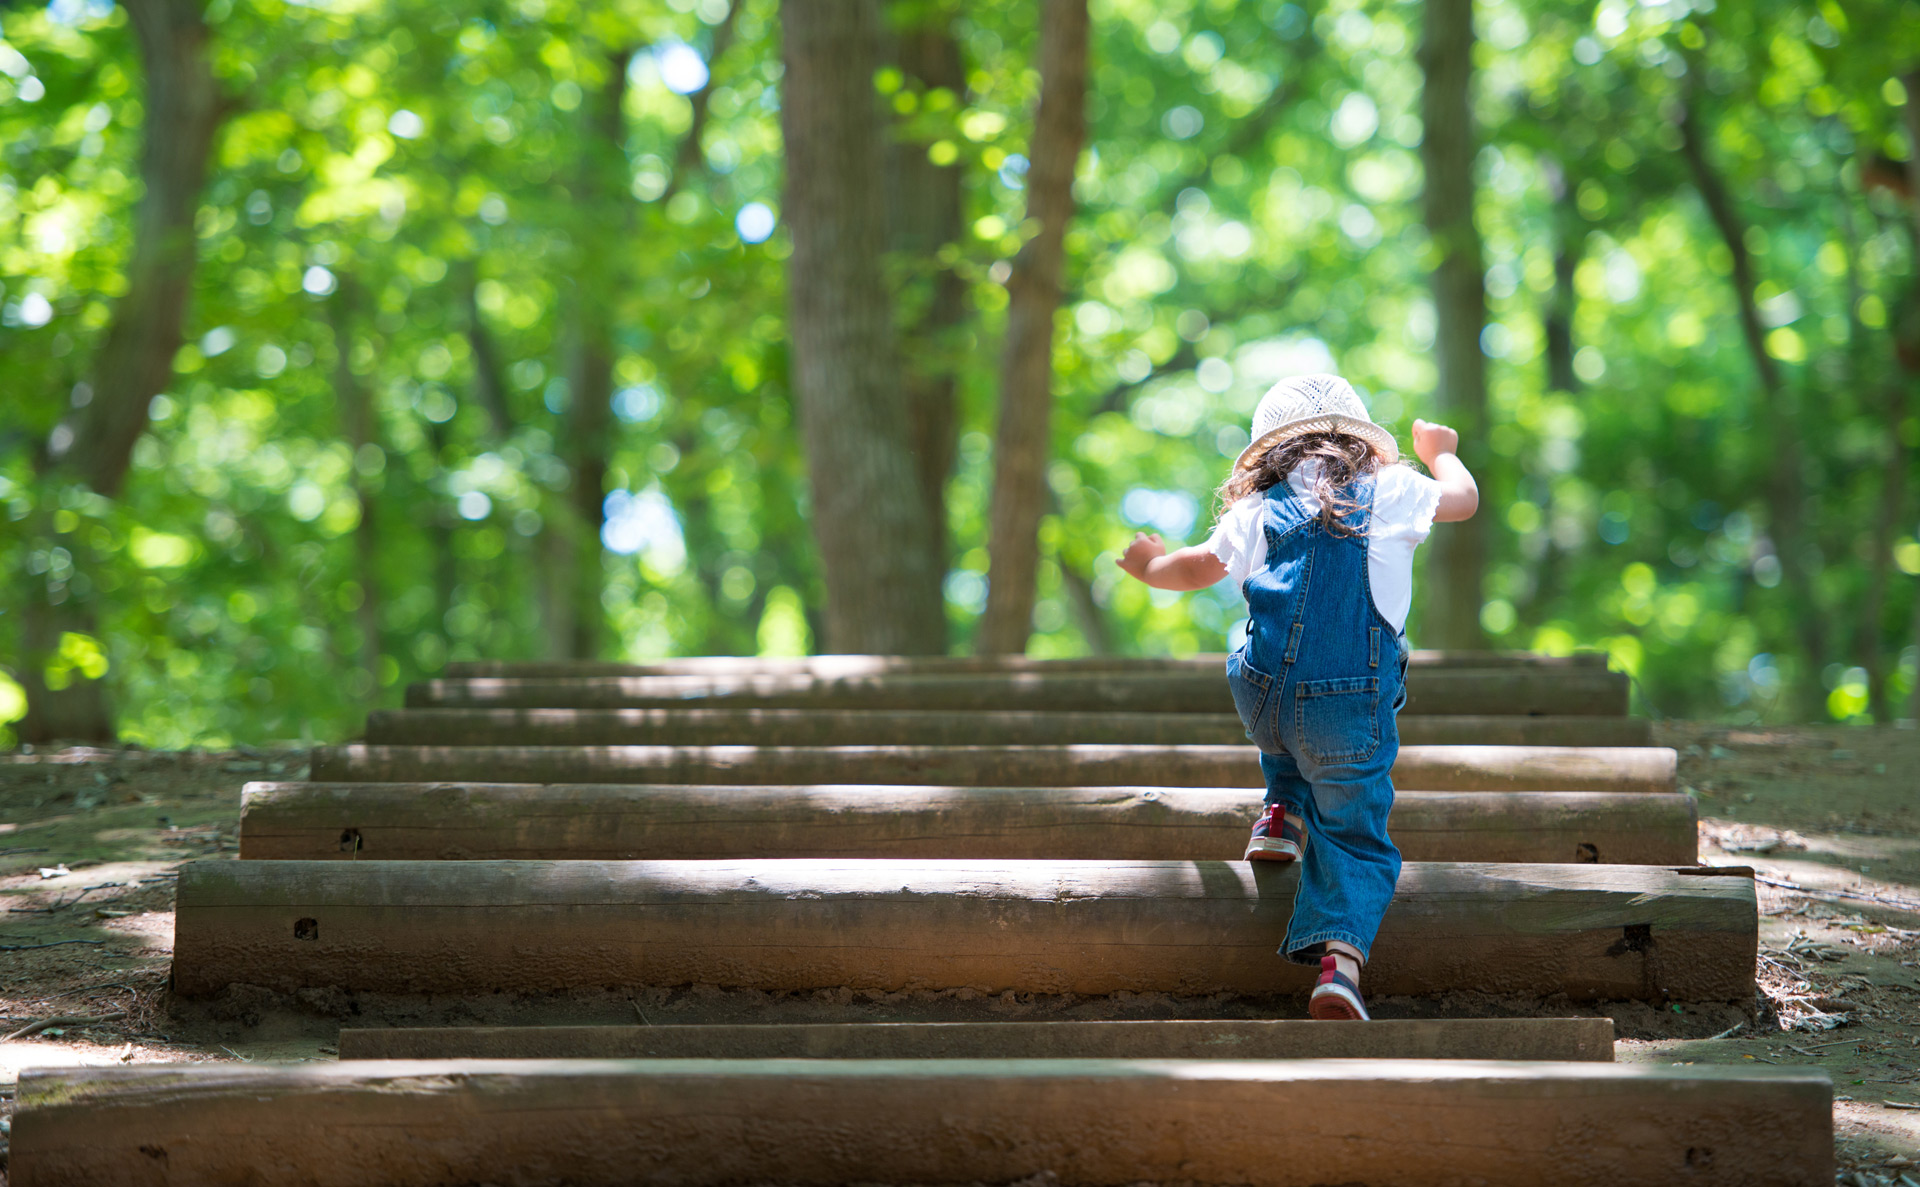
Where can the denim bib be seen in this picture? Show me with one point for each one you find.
(1321, 674)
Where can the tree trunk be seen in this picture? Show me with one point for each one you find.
(1456, 570)
(876, 542)
(601, 199)
(358, 426)
(1911, 112)
(1021, 444)
(924, 216)
(1556, 324)
(1785, 487)
(95, 444)
(691, 157)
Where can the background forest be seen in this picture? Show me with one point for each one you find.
(339, 340)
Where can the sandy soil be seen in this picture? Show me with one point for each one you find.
(1829, 817)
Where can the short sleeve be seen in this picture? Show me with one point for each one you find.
(1404, 504)
(1237, 541)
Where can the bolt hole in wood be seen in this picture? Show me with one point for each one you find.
(1586, 851)
(1634, 937)
(309, 929)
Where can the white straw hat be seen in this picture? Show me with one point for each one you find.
(1312, 404)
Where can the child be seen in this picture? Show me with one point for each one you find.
(1319, 525)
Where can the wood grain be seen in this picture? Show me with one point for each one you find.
(1588, 1039)
(1185, 927)
(599, 821)
(1571, 691)
(1421, 768)
(1388, 1123)
(894, 727)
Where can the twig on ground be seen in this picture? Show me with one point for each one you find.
(34, 1028)
(1728, 1033)
(55, 944)
(636, 1009)
(1904, 904)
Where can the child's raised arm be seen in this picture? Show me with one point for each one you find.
(1188, 569)
(1459, 494)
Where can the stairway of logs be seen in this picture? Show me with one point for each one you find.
(875, 828)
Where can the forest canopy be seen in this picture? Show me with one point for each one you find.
(340, 340)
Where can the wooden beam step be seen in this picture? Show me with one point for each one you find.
(612, 822)
(1572, 691)
(869, 665)
(1585, 1039)
(922, 727)
(1424, 768)
(1091, 1123)
(1590, 932)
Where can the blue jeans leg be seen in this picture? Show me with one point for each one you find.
(1284, 784)
(1350, 868)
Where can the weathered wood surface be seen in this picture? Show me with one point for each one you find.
(1421, 768)
(1091, 1123)
(1584, 1039)
(610, 822)
(868, 665)
(1571, 691)
(1097, 927)
(897, 727)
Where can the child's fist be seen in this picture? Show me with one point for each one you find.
(1144, 549)
(1431, 440)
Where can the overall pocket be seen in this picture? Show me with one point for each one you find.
(1252, 691)
(1337, 721)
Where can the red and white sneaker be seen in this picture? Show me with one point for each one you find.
(1335, 998)
(1278, 835)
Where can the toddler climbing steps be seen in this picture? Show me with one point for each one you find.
(1387, 1123)
(599, 821)
(1589, 932)
(894, 825)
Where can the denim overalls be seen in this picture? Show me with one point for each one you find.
(1317, 684)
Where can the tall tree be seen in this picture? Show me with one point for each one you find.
(1908, 349)
(94, 444)
(1024, 433)
(876, 539)
(601, 198)
(1785, 494)
(1456, 567)
(923, 217)
(359, 425)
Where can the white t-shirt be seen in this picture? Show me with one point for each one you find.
(1404, 502)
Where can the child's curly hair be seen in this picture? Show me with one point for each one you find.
(1343, 458)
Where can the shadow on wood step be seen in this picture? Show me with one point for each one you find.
(1388, 1123)
(882, 727)
(1436, 691)
(613, 822)
(1589, 1039)
(1193, 928)
(1423, 768)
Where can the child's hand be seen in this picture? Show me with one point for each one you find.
(1431, 440)
(1140, 553)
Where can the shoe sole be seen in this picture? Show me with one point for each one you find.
(1332, 1004)
(1272, 850)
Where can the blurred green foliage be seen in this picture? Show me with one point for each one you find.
(1249, 208)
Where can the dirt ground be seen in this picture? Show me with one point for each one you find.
(1829, 817)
